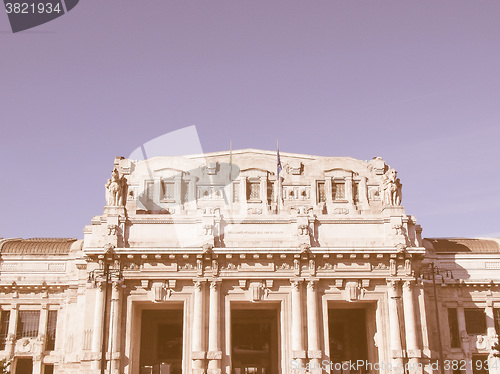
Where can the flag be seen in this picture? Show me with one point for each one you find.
(278, 179)
(279, 168)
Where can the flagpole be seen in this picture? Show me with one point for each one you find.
(278, 178)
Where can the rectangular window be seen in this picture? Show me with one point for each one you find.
(48, 369)
(51, 330)
(338, 191)
(4, 328)
(453, 323)
(185, 191)
(27, 324)
(475, 321)
(150, 190)
(270, 192)
(321, 192)
(355, 191)
(236, 192)
(496, 317)
(168, 189)
(253, 191)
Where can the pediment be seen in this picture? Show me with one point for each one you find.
(255, 172)
(339, 173)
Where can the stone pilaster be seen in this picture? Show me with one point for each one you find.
(263, 193)
(414, 351)
(114, 335)
(490, 319)
(328, 189)
(214, 354)
(363, 193)
(313, 343)
(298, 351)
(41, 339)
(198, 354)
(11, 336)
(494, 362)
(348, 189)
(394, 325)
(191, 203)
(464, 337)
(98, 321)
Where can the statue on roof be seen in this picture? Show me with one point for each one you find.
(116, 189)
(391, 188)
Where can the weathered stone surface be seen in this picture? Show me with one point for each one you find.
(208, 237)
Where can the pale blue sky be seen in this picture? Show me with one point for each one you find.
(417, 83)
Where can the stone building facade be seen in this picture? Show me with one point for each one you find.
(227, 263)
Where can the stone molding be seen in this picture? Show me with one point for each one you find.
(299, 354)
(214, 355)
(199, 355)
(314, 353)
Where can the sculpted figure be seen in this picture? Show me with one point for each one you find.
(399, 192)
(116, 189)
(108, 194)
(391, 188)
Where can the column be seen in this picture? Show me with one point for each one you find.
(214, 353)
(363, 193)
(298, 352)
(394, 326)
(490, 319)
(11, 335)
(192, 201)
(494, 362)
(412, 345)
(348, 189)
(178, 190)
(464, 337)
(328, 189)
(41, 339)
(98, 320)
(42, 325)
(313, 344)
(114, 335)
(263, 193)
(198, 355)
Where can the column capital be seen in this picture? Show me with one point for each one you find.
(393, 284)
(100, 284)
(215, 284)
(409, 284)
(295, 283)
(117, 285)
(312, 284)
(198, 284)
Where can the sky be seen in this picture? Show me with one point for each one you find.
(416, 83)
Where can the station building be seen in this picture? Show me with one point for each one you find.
(246, 262)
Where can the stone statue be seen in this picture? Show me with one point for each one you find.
(399, 191)
(116, 189)
(391, 188)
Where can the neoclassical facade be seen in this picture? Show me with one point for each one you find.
(225, 263)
